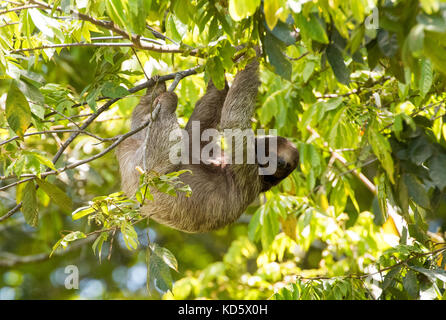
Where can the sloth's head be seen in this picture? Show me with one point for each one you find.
(286, 159)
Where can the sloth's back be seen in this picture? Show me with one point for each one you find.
(216, 200)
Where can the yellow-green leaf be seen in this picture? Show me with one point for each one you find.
(29, 204)
(81, 212)
(241, 9)
(270, 7)
(18, 113)
(58, 196)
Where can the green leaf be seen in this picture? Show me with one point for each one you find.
(381, 148)
(274, 51)
(226, 24)
(410, 284)
(159, 262)
(416, 39)
(397, 69)
(379, 216)
(432, 23)
(19, 166)
(387, 42)
(334, 57)
(97, 244)
(82, 212)
(426, 77)
(18, 113)
(43, 160)
(139, 10)
(436, 53)
(420, 150)
(129, 235)
(270, 226)
(113, 90)
(254, 226)
(182, 10)
(33, 94)
(312, 27)
(43, 22)
(432, 275)
(417, 233)
(241, 9)
(356, 39)
(390, 277)
(416, 190)
(75, 235)
(171, 29)
(165, 255)
(437, 170)
(308, 71)
(398, 126)
(58, 196)
(115, 10)
(29, 204)
(283, 32)
(226, 52)
(214, 68)
(65, 5)
(403, 196)
(72, 236)
(270, 9)
(373, 54)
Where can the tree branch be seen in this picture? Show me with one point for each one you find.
(10, 260)
(135, 39)
(31, 6)
(118, 140)
(76, 44)
(57, 131)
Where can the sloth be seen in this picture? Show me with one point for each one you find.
(220, 191)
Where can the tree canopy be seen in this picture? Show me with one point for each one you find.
(357, 86)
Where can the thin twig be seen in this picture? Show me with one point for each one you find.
(13, 2)
(365, 164)
(76, 44)
(9, 24)
(299, 57)
(61, 114)
(121, 37)
(140, 64)
(60, 131)
(11, 212)
(30, 6)
(159, 35)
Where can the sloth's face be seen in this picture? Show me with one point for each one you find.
(287, 159)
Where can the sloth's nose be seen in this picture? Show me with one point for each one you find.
(281, 163)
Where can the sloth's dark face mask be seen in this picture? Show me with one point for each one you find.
(286, 158)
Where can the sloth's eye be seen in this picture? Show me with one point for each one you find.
(281, 163)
